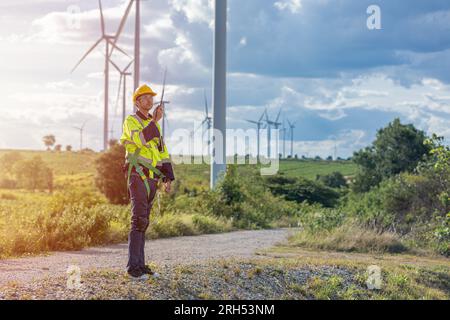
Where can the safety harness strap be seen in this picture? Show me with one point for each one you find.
(134, 162)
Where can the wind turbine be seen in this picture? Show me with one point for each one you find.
(208, 122)
(81, 134)
(219, 97)
(292, 127)
(284, 130)
(270, 123)
(123, 76)
(259, 124)
(108, 41)
(137, 37)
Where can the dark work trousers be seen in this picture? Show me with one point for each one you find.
(141, 205)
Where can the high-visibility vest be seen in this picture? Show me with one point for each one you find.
(141, 153)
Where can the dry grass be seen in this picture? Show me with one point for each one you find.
(350, 238)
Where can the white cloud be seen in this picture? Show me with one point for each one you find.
(343, 144)
(294, 6)
(196, 11)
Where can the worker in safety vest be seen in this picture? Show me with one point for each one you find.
(147, 163)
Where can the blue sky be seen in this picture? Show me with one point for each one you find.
(316, 59)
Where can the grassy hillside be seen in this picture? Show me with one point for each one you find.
(62, 163)
(69, 163)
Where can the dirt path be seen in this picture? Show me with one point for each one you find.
(182, 250)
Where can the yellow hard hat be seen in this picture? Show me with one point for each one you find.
(143, 90)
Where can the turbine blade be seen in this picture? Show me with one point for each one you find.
(199, 127)
(115, 66)
(278, 117)
(206, 103)
(123, 21)
(118, 91)
(102, 20)
(115, 46)
(86, 54)
(262, 117)
(129, 65)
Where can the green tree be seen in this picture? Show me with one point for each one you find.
(49, 141)
(34, 174)
(397, 148)
(110, 177)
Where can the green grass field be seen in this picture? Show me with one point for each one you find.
(71, 163)
(62, 163)
(78, 169)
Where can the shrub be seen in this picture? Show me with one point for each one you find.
(208, 225)
(171, 225)
(6, 183)
(246, 201)
(7, 196)
(349, 237)
(319, 219)
(8, 161)
(110, 178)
(301, 189)
(73, 197)
(332, 180)
(34, 174)
(442, 234)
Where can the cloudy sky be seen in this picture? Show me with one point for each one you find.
(335, 78)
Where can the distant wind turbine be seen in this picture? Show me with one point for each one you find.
(292, 127)
(108, 42)
(81, 129)
(259, 125)
(123, 75)
(276, 125)
(284, 130)
(208, 122)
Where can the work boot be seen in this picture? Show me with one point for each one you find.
(138, 276)
(149, 271)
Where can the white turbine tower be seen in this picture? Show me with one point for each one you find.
(137, 45)
(292, 127)
(137, 38)
(81, 129)
(276, 125)
(108, 41)
(259, 124)
(218, 157)
(123, 76)
(208, 122)
(284, 130)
